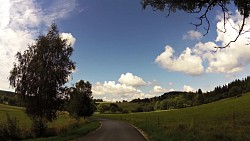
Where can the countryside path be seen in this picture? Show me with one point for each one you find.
(113, 130)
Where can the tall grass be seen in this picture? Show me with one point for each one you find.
(227, 119)
(63, 124)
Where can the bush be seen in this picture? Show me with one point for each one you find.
(39, 126)
(138, 109)
(10, 130)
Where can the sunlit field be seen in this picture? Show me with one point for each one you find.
(63, 128)
(227, 119)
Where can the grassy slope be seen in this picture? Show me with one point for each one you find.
(214, 121)
(24, 120)
(61, 123)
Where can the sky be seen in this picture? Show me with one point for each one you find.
(126, 52)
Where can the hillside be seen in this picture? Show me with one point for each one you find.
(227, 119)
(6, 93)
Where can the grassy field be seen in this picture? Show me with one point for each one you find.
(227, 119)
(62, 124)
(72, 134)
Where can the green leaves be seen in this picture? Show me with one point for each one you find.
(81, 103)
(41, 72)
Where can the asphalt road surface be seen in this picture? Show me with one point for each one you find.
(112, 130)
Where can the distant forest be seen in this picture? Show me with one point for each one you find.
(170, 100)
(175, 100)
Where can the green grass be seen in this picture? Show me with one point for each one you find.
(227, 119)
(17, 112)
(61, 124)
(25, 122)
(73, 134)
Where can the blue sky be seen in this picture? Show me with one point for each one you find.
(124, 51)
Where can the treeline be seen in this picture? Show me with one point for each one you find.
(175, 100)
(10, 98)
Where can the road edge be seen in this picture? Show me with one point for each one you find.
(141, 132)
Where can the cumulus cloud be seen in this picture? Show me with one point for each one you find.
(159, 89)
(187, 88)
(187, 62)
(131, 80)
(20, 24)
(110, 87)
(192, 35)
(113, 91)
(194, 61)
(69, 37)
(229, 60)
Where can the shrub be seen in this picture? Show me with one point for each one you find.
(39, 126)
(10, 130)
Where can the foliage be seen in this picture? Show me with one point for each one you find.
(203, 7)
(176, 100)
(81, 102)
(10, 130)
(41, 72)
(112, 108)
(102, 108)
(39, 126)
(10, 98)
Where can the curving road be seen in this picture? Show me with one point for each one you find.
(112, 130)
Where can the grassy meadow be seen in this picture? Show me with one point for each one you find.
(61, 125)
(227, 119)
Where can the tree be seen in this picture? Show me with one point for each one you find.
(199, 91)
(203, 7)
(81, 102)
(102, 108)
(235, 90)
(113, 107)
(40, 74)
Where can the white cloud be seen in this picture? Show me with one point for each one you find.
(232, 59)
(131, 80)
(194, 61)
(192, 35)
(20, 24)
(159, 89)
(186, 62)
(69, 37)
(113, 91)
(110, 87)
(187, 88)
(59, 9)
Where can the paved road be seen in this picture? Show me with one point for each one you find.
(112, 130)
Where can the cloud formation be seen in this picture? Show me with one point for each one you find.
(202, 58)
(159, 89)
(112, 91)
(20, 23)
(131, 80)
(187, 88)
(69, 37)
(187, 62)
(110, 87)
(192, 35)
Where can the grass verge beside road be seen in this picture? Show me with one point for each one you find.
(73, 134)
